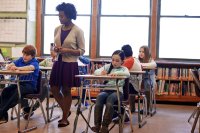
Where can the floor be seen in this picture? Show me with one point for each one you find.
(168, 119)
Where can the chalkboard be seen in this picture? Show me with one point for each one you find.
(13, 5)
(12, 30)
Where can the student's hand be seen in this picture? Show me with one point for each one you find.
(104, 72)
(8, 67)
(13, 68)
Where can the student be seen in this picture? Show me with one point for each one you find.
(108, 97)
(69, 45)
(48, 62)
(9, 96)
(147, 61)
(132, 64)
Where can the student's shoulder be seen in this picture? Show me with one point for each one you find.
(124, 68)
(34, 61)
(129, 59)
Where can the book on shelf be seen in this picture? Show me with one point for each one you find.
(160, 73)
(174, 74)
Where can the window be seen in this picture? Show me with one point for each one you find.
(123, 22)
(51, 21)
(179, 29)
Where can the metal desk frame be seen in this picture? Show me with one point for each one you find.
(49, 117)
(93, 77)
(17, 81)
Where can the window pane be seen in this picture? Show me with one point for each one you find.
(179, 38)
(125, 7)
(50, 22)
(180, 7)
(82, 6)
(117, 31)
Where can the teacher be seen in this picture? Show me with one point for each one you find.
(69, 45)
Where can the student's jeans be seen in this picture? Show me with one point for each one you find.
(109, 98)
(147, 86)
(9, 96)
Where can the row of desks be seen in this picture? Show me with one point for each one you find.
(46, 69)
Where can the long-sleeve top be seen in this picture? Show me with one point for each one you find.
(151, 64)
(47, 62)
(133, 64)
(121, 71)
(75, 40)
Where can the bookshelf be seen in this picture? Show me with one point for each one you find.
(174, 82)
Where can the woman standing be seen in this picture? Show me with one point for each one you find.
(69, 45)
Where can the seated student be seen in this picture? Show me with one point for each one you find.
(146, 60)
(48, 62)
(132, 64)
(9, 96)
(108, 97)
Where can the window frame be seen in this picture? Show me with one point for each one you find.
(43, 27)
(158, 45)
(136, 16)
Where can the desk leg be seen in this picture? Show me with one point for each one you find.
(19, 104)
(140, 119)
(49, 118)
(78, 109)
(119, 108)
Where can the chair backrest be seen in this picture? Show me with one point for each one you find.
(39, 83)
(126, 90)
(195, 76)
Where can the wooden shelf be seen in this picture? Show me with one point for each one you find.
(177, 98)
(183, 79)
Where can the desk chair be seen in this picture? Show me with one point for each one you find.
(196, 112)
(35, 98)
(124, 106)
(139, 96)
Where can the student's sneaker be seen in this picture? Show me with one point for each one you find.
(26, 110)
(4, 118)
(26, 113)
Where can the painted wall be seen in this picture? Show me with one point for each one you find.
(13, 49)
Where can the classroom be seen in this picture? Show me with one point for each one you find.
(99, 66)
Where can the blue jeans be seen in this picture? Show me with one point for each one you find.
(109, 98)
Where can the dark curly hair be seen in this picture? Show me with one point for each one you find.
(69, 10)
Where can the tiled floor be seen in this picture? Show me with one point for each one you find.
(168, 119)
